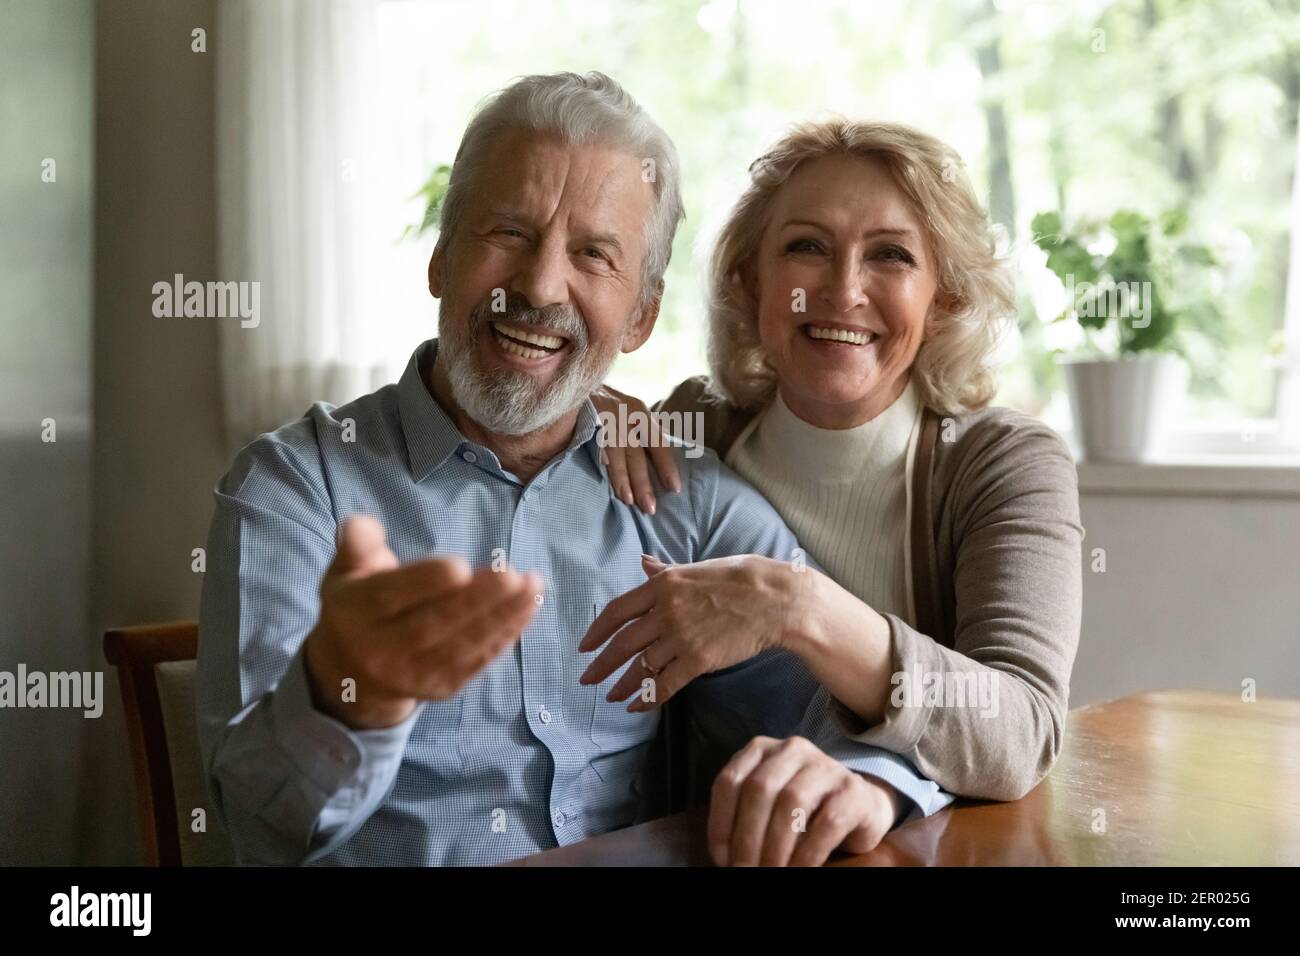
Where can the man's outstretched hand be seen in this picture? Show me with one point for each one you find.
(406, 633)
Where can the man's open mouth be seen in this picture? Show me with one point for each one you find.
(822, 333)
(526, 343)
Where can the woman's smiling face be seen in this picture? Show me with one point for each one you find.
(843, 256)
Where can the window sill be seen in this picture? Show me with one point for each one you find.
(1254, 476)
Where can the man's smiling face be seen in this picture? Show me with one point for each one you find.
(540, 285)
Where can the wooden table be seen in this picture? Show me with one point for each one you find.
(1173, 778)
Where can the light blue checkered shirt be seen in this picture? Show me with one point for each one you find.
(523, 758)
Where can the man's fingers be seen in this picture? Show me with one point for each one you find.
(758, 798)
(793, 813)
(725, 796)
(483, 637)
(433, 624)
(362, 548)
(396, 592)
(839, 815)
(473, 639)
(618, 612)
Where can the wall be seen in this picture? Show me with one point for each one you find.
(1199, 591)
(158, 448)
(46, 98)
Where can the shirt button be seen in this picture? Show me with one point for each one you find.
(538, 600)
(544, 715)
(557, 817)
(470, 457)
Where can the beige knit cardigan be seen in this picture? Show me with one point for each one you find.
(996, 548)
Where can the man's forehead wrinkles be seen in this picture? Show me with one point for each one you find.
(558, 186)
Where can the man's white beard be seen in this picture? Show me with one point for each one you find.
(510, 402)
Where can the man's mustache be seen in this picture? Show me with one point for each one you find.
(564, 320)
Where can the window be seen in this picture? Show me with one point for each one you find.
(1085, 108)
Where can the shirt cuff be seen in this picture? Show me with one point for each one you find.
(327, 752)
(920, 797)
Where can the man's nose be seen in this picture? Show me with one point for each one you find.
(543, 277)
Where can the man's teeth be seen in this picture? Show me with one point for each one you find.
(546, 341)
(840, 335)
(521, 350)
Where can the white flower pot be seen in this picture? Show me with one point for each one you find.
(1123, 408)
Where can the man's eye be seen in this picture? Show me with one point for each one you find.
(593, 253)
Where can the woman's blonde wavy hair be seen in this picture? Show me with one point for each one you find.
(975, 294)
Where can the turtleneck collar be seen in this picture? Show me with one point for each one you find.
(824, 455)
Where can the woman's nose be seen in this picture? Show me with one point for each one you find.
(845, 289)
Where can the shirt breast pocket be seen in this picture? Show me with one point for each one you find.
(437, 735)
(613, 729)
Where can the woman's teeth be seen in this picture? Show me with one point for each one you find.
(840, 335)
(512, 339)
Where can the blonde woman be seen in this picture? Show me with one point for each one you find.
(856, 297)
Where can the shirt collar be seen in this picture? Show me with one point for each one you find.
(432, 437)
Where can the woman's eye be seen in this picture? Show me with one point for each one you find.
(896, 254)
(804, 245)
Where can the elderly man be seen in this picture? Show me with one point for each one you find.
(389, 665)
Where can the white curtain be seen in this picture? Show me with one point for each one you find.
(1289, 387)
(295, 165)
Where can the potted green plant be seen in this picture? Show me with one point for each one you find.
(432, 192)
(1121, 282)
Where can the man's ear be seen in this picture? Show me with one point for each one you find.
(643, 322)
(435, 270)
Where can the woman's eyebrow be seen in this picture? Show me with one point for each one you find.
(905, 231)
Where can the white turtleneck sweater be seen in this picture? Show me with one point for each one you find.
(846, 493)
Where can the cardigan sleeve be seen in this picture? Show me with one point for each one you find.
(986, 718)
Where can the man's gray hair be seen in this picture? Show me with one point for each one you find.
(578, 109)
